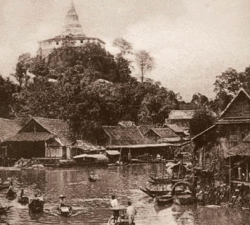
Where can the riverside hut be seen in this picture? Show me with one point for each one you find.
(232, 126)
(40, 137)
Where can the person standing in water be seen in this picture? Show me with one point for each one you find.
(131, 212)
(114, 204)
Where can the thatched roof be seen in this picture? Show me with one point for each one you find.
(176, 128)
(170, 139)
(240, 92)
(145, 128)
(56, 126)
(247, 138)
(30, 136)
(125, 135)
(242, 149)
(8, 128)
(181, 114)
(164, 132)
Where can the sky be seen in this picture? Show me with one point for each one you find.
(192, 41)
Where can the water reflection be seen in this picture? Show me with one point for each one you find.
(90, 200)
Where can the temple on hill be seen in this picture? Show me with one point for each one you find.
(72, 29)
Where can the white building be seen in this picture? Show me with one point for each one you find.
(72, 29)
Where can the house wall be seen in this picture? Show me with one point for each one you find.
(53, 152)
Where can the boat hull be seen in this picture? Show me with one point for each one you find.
(36, 206)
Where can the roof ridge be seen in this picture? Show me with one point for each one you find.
(230, 103)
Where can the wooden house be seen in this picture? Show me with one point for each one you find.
(130, 140)
(181, 118)
(239, 162)
(40, 137)
(228, 131)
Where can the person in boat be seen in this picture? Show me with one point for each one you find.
(11, 189)
(22, 193)
(131, 212)
(62, 201)
(114, 204)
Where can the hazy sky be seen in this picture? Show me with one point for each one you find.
(193, 41)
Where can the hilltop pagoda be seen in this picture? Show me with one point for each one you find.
(72, 29)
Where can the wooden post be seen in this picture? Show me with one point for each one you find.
(247, 171)
(230, 176)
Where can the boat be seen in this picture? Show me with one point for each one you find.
(91, 159)
(65, 211)
(36, 205)
(23, 199)
(3, 210)
(164, 200)
(154, 193)
(11, 195)
(185, 197)
(160, 180)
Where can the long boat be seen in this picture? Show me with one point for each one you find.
(160, 180)
(164, 200)
(154, 193)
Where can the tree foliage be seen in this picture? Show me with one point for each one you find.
(7, 89)
(228, 84)
(124, 46)
(145, 62)
(201, 120)
(91, 88)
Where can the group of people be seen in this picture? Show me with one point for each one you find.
(130, 211)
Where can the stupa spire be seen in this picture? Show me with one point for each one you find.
(72, 25)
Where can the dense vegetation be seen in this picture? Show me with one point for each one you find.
(89, 87)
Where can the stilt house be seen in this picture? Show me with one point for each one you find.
(229, 130)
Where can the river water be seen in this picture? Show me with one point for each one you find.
(90, 200)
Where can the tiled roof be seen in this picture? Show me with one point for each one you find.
(31, 136)
(181, 114)
(125, 135)
(8, 128)
(164, 132)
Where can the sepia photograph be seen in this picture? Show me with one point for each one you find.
(125, 112)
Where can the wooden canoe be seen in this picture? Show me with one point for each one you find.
(164, 200)
(65, 211)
